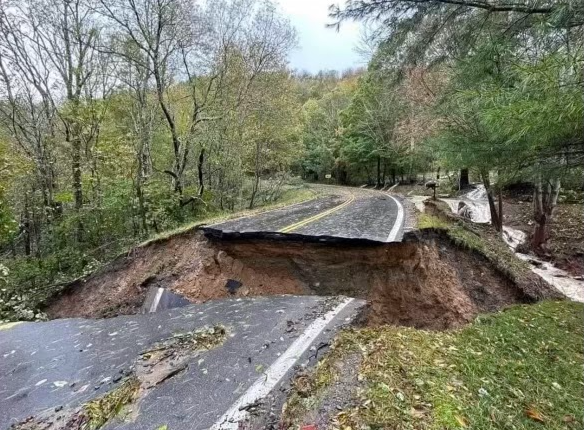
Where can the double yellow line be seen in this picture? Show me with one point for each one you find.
(317, 216)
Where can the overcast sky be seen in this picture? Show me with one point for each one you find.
(320, 48)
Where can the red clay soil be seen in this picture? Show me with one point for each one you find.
(184, 263)
(423, 282)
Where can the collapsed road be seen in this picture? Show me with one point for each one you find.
(55, 375)
(50, 370)
(357, 214)
(228, 358)
(347, 213)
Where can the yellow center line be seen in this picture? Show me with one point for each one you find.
(317, 216)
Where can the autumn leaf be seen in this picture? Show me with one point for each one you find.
(534, 414)
(568, 419)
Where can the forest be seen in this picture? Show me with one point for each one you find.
(122, 119)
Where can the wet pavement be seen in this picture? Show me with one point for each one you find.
(61, 364)
(349, 213)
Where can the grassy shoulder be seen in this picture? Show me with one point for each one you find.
(288, 197)
(477, 238)
(520, 368)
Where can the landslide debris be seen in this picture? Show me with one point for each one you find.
(429, 280)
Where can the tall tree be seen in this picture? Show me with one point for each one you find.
(50, 66)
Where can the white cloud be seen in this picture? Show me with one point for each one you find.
(320, 47)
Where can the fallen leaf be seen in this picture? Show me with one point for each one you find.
(461, 420)
(534, 414)
(568, 419)
(417, 413)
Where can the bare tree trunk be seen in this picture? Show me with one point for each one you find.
(544, 202)
(378, 171)
(176, 173)
(463, 181)
(496, 218)
(140, 193)
(26, 227)
(75, 143)
(384, 172)
(257, 176)
(200, 173)
(500, 208)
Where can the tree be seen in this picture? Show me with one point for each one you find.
(155, 29)
(370, 124)
(507, 66)
(542, 117)
(323, 129)
(49, 72)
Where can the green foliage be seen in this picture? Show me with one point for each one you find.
(322, 130)
(508, 113)
(8, 223)
(430, 221)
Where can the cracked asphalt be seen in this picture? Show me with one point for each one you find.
(349, 213)
(61, 364)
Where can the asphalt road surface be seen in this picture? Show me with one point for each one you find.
(56, 366)
(351, 213)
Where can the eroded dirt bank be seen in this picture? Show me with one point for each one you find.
(425, 281)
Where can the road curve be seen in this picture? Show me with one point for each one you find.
(349, 213)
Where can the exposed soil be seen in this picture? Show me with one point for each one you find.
(425, 281)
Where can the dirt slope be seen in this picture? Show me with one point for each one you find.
(425, 281)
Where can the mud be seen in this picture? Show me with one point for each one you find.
(424, 281)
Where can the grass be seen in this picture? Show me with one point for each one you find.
(481, 239)
(518, 369)
(430, 221)
(309, 389)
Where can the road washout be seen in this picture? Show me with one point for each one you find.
(425, 281)
(474, 207)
